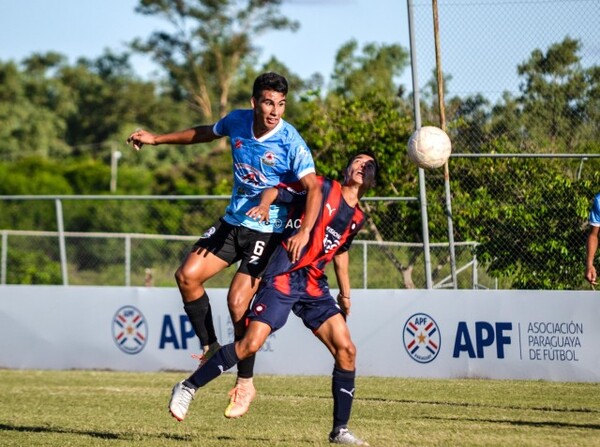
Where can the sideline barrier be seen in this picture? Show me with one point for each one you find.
(398, 333)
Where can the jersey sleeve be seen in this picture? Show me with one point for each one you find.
(222, 127)
(595, 212)
(292, 193)
(348, 243)
(288, 195)
(302, 162)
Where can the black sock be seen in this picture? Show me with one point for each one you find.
(245, 366)
(223, 360)
(342, 388)
(200, 314)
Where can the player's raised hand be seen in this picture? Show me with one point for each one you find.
(140, 137)
(591, 275)
(296, 243)
(344, 303)
(259, 213)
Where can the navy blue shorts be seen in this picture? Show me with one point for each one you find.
(273, 307)
(236, 243)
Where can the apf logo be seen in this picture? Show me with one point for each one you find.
(422, 338)
(129, 330)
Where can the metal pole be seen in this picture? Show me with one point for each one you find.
(4, 256)
(475, 273)
(61, 241)
(128, 260)
(417, 112)
(114, 160)
(442, 110)
(365, 259)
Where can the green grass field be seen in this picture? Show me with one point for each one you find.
(105, 408)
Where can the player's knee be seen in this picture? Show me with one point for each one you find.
(346, 352)
(238, 303)
(179, 276)
(184, 278)
(248, 347)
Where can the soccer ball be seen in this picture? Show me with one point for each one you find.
(429, 147)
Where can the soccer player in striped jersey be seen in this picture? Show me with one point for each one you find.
(266, 151)
(300, 285)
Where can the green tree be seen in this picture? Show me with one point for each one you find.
(32, 110)
(372, 71)
(528, 218)
(208, 44)
(554, 93)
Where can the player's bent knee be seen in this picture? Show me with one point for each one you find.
(183, 278)
(346, 352)
(246, 348)
(238, 304)
(178, 276)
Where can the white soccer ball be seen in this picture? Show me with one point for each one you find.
(429, 147)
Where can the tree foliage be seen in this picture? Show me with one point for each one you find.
(207, 44)
(60, 124)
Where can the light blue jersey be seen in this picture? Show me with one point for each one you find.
(280, 156)
(595, 212)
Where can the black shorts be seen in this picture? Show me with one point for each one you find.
(236, 243)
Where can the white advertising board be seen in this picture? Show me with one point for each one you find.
(541, 335)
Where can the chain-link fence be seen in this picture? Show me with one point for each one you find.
(484, 42)
(519, 222)
(521, 83)
(129, 240)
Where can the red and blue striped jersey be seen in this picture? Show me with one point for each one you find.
(333, 232)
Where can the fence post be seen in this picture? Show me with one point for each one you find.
(127, 260)
(475, 274)
(365, 259)
(417, 111)
(4, 256)
(61, 241)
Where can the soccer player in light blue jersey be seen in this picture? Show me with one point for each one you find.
(266, 151)
(592, 242)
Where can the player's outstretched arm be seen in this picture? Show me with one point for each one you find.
(198, 134)
(340, 266)
(314, 195)
(591, 247)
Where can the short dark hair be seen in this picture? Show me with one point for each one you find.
(371, 154)
(269, 81)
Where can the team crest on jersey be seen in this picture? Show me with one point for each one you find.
(269, 159)
(238, 144)
(422, 338)
(208, 233)
(250, 175)
(129, 330)
(259, 308)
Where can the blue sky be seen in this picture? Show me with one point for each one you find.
(482, 41)
(85, 28)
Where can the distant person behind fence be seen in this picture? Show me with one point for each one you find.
(592, 242)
